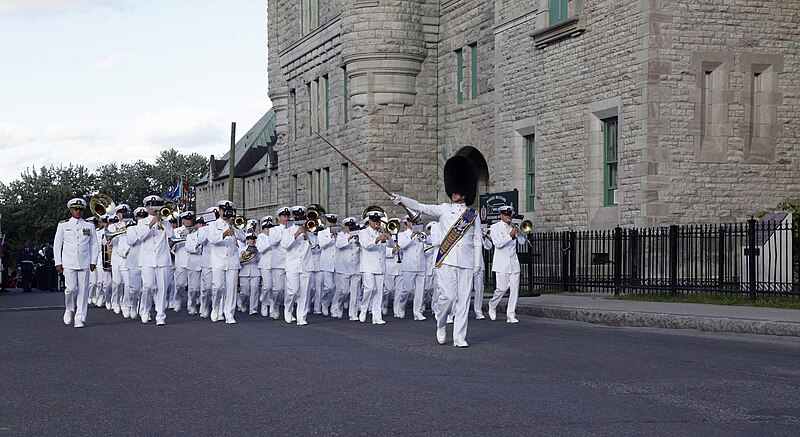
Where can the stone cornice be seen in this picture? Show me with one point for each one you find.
(570, 27)
(516, 21)
(318, 46)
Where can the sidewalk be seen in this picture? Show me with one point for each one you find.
(602, 309)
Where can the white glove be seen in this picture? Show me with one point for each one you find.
(396, 199)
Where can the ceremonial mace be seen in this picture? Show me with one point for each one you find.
(413, 215)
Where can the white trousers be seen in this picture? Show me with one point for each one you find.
(115, 292)
(454, 284)
(413, 282)
(133, 289)
(278, 289)
(392, 286)
(315, 282)
(193, 281)
(223, 291)
(266, 290)
(155, 281)
(506, 281)
(346, 284)
(250, 287)
(77, 288)
(373, 296)
(181, 281)
(297, 292)
(326, 290)
(205, 290)
(477, 285)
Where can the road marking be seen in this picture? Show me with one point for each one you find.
(38, 308)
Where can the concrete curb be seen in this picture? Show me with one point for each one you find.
(660, 320)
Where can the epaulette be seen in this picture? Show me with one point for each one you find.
(63, 221)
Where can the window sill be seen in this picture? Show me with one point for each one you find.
(567, 28)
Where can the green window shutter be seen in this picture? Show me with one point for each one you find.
(610, 159)
(558, 10)
(310, 112)
(346, 189)
(302, 17)
(327, 121)
(473, 70)
(327, 178)
(293, 105)
(530, 172)
(459, 76)
(344, 98)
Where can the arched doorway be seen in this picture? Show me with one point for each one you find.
(477, 158)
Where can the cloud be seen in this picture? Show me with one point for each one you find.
(182, 126)
(111, 61)
(49, 6)
(13, 135)
(79, 131)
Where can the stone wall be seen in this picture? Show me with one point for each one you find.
(733, 177)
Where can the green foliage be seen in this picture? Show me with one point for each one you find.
(32, 205)
(789, 302)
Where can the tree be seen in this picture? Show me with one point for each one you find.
(32, 205)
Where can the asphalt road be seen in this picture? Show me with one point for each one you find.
(335, 377)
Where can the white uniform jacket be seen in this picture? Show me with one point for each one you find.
(75, 246)
(224, 251)
(250, 268)
(194, 251)
(505, 248)
(348, 254)
(179, 249)
(154, 251)
(278, 251)
(392, 266)
(413, 256)
(116, 252)
(327, 244)
(466, 252)
(128, 253)
(298, 250)
(264, 250)
(373, 255)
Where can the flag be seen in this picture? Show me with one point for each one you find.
(174, 193)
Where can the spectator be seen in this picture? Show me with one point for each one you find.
(26, 258)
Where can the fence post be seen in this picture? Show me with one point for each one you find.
(617, 259)
(633, 256)
(673, 259)
(751, 257)
(565, 260)
(573, 257)
(721, 258)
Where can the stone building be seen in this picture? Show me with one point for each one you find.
(255, 186)
(601, 112)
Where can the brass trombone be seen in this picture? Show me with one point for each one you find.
(101, 204)
(239, 222)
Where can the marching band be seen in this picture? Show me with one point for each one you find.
(217, 261)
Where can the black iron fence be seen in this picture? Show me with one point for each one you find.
(756, 258)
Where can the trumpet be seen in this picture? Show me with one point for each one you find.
(524, 227)
(393, 227)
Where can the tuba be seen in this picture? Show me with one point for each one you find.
(370, 209)
(314, 214)
(101, 204)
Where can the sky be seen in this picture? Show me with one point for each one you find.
(93, 81)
